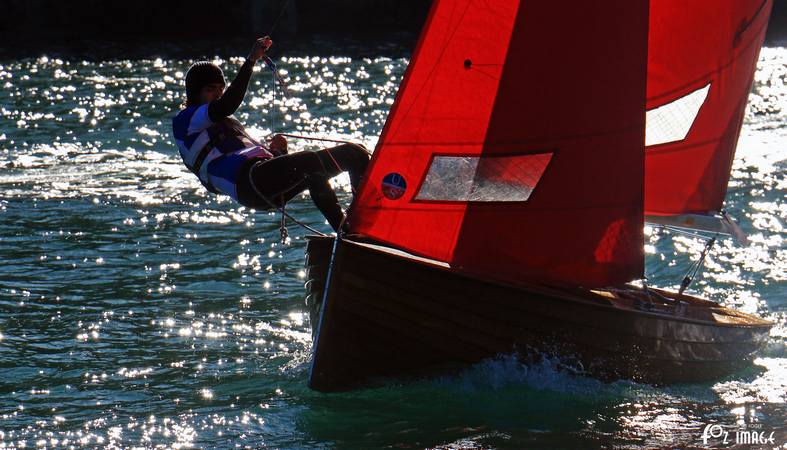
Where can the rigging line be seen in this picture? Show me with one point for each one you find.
(268, 61)
(283, 233)
(314, 138)
(695, 267)
(279, 79)
(682, 231)
(273, 104)
(339, 168)
(281, 14)
(283, 226)
(281, 208)
(282, 84)
(327, 150)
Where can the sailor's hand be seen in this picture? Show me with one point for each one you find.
(278, 144)
(259, 48)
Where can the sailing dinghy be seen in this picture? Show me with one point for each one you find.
(504, 207)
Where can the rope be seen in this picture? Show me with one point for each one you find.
(282, 84)
(278, 80)
(285, 90)
(682, 231)
(314, 138)
(284, 213)
(281, 14)
(273, 103)
(283, 233)
(327, 150)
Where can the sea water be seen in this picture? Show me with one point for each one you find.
(137, 310)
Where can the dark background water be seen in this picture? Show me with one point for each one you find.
(138, 310)
(92, 27)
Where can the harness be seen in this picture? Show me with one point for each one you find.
(234, 147)
(195, 169)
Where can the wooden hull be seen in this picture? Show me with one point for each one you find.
(384, 315)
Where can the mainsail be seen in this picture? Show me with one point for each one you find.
(702, 55)
(515, 146)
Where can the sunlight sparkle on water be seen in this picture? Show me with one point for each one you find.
(166, 316)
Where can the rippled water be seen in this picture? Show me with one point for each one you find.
(137, 310)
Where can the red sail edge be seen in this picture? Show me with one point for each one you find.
(711, 44)
(515, 149)
(574, 80)
(441, 107)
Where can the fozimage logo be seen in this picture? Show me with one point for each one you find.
(714, 433)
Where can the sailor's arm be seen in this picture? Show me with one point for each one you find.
(230, 101)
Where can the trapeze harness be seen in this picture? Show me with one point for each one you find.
(215, 152)
(218, 152)
(221, 151)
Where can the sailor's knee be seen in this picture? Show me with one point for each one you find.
(358, 152)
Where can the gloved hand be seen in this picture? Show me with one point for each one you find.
(259, 48)
(278, 145)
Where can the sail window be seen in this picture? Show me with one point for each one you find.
(672, 122)
(483, 178)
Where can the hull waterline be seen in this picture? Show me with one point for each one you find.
(386, 314)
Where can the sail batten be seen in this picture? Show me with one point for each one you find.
(712, 222)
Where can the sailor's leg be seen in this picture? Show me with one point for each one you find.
(277, 180)
(326, 201)
(346, 157)
(280, 173)
(269, 184)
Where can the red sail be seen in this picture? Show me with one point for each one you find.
(515, 146)
(702, 57)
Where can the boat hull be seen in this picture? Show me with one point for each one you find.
(382, 315)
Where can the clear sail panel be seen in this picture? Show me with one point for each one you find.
(672, 122)
(484, 178)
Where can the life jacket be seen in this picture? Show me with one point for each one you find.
(215, 152)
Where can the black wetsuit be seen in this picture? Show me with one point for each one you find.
(265, 181)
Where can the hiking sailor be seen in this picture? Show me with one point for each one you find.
(216, 148)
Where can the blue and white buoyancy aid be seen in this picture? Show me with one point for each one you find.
(214, 151)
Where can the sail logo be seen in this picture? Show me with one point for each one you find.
(393, 186)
